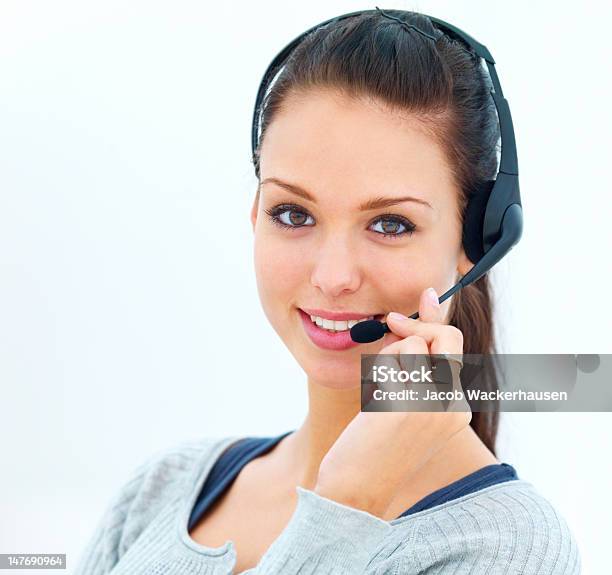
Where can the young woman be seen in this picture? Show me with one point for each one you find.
(372, 139)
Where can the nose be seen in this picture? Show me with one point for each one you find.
(336, 268)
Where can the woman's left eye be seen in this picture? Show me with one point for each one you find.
(392, 224)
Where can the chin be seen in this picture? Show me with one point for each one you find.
(332, 372)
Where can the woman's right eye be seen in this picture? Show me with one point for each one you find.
(289, 217)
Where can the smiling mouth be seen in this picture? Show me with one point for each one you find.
(335, 326)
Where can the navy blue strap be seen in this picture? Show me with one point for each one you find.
(479, 479)
(227, 468)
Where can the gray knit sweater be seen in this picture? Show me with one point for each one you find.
(505, 528)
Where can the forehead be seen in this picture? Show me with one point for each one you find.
(327, 141)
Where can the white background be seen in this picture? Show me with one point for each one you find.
(126, 249)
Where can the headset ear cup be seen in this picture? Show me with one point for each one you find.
(473, 222)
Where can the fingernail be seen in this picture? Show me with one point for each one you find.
(397, 316)
(433, 296)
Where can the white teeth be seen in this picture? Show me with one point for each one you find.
(332, 325)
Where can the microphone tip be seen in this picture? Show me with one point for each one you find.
(368, 331)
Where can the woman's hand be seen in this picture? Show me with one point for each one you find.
(378, 451)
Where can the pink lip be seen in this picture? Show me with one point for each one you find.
(338, 316)
(325, 339)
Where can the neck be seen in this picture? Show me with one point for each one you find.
(329, 412)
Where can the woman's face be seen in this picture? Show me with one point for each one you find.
(347, 156)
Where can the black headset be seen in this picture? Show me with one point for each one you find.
(493, 222)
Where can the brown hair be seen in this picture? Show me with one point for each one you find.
(440, 82)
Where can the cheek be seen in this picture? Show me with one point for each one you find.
(401, 278)
(279, 269)
(399, 275)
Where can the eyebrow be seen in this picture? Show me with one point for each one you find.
(372, 204)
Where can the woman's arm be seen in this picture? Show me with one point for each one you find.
(104, 549)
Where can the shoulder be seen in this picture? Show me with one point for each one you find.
(505, 528)
(159, 480)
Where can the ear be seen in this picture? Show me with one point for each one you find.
(464, 264)
(254, 209)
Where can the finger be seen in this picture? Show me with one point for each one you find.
(429, 311)
(413, 354)
(410, 344)
(391, 338)
(429, 307)
(409, 353)
(437, 336)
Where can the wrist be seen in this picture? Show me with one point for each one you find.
(357, 499)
